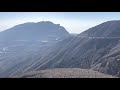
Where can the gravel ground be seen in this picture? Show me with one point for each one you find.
(64, 73)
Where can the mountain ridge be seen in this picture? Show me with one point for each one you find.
(86, 51)
(36, 31)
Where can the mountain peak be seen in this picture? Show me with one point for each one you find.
(46, 22)
(40, 30)
(114, 21)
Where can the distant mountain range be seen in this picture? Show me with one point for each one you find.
(97, 48)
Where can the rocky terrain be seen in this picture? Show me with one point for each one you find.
(97, 48)
(87, 51)
(64, 73)
(24, 45)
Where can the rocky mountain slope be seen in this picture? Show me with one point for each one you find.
(88, 50)
(106, 29)
(97, 49)
(25, 44)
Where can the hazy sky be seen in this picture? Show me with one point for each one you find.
(74, 22)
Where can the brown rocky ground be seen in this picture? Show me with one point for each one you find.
(64, 73)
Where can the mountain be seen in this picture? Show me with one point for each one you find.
(97, 49)
(44, 30)
(64, 73)
(24, 45)
(106, 29)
